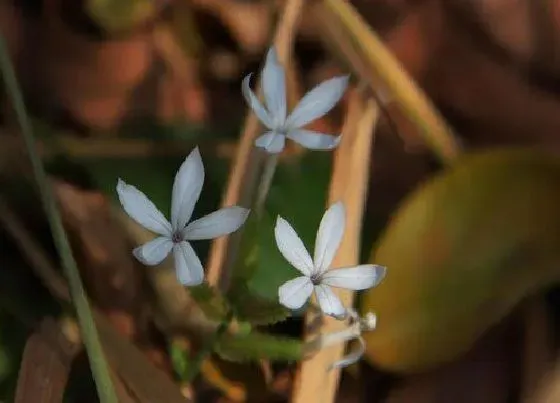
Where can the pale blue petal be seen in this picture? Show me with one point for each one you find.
(329, 236)
(356, 278)
(254, 103)
(314, 140)
(272, 142)
(186, 189)
(292, 248)
(216, 224)
(294, 293)
(317, 102)
(141, 209)
(274, 87)
(187, 264)
(329, 303)
(153, 252)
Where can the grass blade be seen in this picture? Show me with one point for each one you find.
(99, 367)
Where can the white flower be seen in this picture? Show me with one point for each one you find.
(316, 276)
(174, 235)
(313, 105)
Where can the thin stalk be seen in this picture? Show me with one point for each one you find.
(99, 367)
(265, 182)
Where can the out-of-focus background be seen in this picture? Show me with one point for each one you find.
(126, 89)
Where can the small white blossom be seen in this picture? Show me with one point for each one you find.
(174, 235)
(316, 274)
(313, 105)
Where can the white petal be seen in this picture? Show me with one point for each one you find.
(153, 252)
(274, 87)
(328, 301)
(141, 209)
(187, 264)
(221, 222)
(254, 103)
(355, 278)
(314, 140)
(317, 102)
(272, 142)
(329, 236)
(294, 293)
(291, 247)
(186, 189)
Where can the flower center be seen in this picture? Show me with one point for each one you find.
(315, 279)
(177, 237)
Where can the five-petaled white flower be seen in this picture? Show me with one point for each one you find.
(316, 276)
(174, 235)
(313, 105)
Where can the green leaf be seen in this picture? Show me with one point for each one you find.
(461, 252)
(256, 346)
(212, 303)
(254, 309)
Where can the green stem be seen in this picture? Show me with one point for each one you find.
(207, 348)
(265, 182)
(99, 367)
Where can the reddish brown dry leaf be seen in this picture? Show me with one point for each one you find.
(92, 79)
(495, 102)
(146, 382)
(45, 366)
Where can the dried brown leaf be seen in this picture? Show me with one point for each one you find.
(45, 366)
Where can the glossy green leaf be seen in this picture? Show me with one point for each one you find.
(461, 252)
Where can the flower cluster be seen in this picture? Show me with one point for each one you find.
(174, 236)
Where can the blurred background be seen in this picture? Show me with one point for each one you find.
(126, 88)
